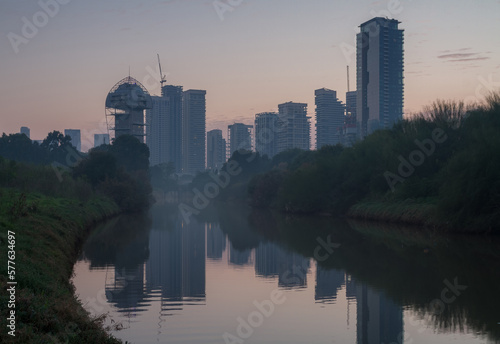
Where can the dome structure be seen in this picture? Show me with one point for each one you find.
(125, 105)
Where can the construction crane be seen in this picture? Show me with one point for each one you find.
(162, 77)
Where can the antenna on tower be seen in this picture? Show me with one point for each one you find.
(348, 88)
(162, 77)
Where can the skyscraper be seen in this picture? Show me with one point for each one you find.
(25, 131)
(240, 137)
(101, 139)
(216, 149)
(350, 106)
(329, 117)
(266, 133)
(294, 127)
(349, 133)
(75, 138)
(379, 75)
(164, 127)
(193, 131)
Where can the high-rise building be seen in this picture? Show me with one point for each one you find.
(240, 137)
(349, 133)
(329, 117)
(101, 139)
(266, 133)
(350, 106)
(379, 75)
(164, 127)
(25, 131)
(216, 149)
(294, 127)
(193, 131)
(75, 138)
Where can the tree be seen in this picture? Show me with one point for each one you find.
(130, 153)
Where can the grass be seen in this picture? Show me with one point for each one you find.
(48, 233)
(410, 211)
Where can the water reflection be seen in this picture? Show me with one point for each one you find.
(160, 266)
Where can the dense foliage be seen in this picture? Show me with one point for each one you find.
(119, 171)
(448, 157)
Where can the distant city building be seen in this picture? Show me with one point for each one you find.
(240, 137)
(164, 127)
(216, 149)
(75, 138)
(193, 131)
(350, 106)
(25, 131)
(294, 127)
(379, 74)
(156, 129)
(329, 117)
(266, 133)
(349, 133)
(101, 139)
(125, 105)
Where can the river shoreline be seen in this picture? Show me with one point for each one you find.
(415, 213)
(49, 233)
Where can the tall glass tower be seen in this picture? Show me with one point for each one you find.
(379, 75)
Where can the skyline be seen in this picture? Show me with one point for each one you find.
(260, 55)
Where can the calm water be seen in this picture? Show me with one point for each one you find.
(233, 275)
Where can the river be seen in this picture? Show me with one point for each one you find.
(237, 275)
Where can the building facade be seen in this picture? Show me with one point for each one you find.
(330, 117)
(216, 149)
(379, 75)
(25, 131)
(101, 139)
(266, 133)
(164, 127)
(294, 127)
(240, 137)
(75, 138)
(193, 131)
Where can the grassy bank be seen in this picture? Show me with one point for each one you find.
(48, 234)
(415, 212)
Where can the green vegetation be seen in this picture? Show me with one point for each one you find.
(50, 209)
(439, 168)
(48, 234)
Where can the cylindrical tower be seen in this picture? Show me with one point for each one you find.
(125, 105)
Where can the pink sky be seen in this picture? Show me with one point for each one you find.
(254, 56)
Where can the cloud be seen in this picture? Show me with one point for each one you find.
(471, 59)
(459, 55)
(456, 56)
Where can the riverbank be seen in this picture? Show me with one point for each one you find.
(48, 234)
(413, 212)
(420, 212)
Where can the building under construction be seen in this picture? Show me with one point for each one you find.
(125, 105)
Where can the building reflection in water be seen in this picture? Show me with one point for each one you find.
(239, 257)
(216, 241)
(328, 283)
(176, 265)
(175, 274)
(273, 261)
(379, 319)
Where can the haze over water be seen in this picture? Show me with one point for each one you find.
(168, 281)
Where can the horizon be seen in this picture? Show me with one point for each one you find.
(254, 55)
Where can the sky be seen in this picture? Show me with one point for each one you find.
(60, 58)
